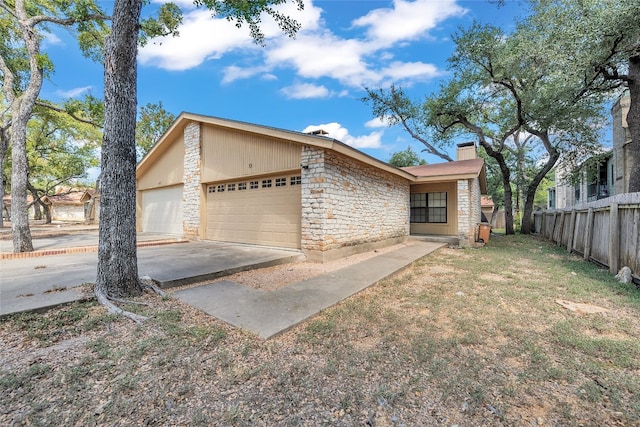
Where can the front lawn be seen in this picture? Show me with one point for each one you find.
(464, 337)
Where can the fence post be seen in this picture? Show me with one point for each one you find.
(588, 235)
(572, 226)
(561, 227)
(614, 239)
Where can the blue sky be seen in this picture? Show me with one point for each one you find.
(315, 80)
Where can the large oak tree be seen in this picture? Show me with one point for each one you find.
(23, 67)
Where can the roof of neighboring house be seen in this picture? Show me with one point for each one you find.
(464, 169)
(487, 201)
(88, 195)
(6, 199)
(74, 198)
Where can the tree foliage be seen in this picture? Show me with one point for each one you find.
(23, 67)
(597, 42)
(503, 87)
(153, 121)
(406, 158)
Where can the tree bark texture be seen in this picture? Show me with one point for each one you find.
(117, 274)
(527, 225)
(505, 173)
(4, 146)
(20, 231)
(633, 119)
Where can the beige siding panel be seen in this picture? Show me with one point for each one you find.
(263, 216)
(168, 168)
(162, 210)
(229, 154)
(451, 227)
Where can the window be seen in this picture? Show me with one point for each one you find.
(220, 188)
(253, 185)
(296, 180)
(266, 183)
(211, 189)
(429, 207)
(242, 186)
(281, 182)
(231, 187)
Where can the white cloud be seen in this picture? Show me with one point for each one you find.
(72, 93)
(376, 123)
(305, 91)
(51, 39)
(316, 52)
(407, 20)
(233, 73)
(200, 39)
(340, 133)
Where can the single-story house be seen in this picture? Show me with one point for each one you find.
(487, 206)
(91, 201)
(66, 205)
(218, 179)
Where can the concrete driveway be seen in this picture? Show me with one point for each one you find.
(39, 282)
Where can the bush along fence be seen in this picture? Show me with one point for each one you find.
(604, 231)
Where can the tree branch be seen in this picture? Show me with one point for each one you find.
(70, 114)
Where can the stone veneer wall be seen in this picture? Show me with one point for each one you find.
(348, 206)
(191, 192)
(469, 210)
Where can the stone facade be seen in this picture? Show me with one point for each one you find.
(469, 210)
(192, 186)
(348, 206)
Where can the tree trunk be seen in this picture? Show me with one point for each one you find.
(117, 258)
(20, 231)
(506, 184)
(4, 145)
(633, 119)
(527, 226)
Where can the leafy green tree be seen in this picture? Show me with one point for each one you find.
(597, 42)
(153, 121)
(117, 258)
(23, 67)
(505, 85)
(60, 150)
(406, 158)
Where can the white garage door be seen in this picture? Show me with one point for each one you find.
(162, 210)
(263, 211)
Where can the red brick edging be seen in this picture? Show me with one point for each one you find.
(82, 249)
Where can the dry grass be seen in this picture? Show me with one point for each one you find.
(466, 337)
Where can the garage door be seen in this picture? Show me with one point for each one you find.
(162, 210)
(263, 211)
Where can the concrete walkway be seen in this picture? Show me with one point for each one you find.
(56, 276)
(267, 314)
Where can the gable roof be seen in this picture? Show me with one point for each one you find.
(73, 198)
(466, 168)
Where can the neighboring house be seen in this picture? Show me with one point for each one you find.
(6, 201)
(487, 206)
(217, 179)
(608, 177)
(66, 206)
(91, 202)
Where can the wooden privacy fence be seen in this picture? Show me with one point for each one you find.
(604, 231)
